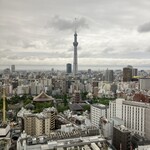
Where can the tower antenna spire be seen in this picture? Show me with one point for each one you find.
(75, 25)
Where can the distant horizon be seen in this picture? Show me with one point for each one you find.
(63, 67)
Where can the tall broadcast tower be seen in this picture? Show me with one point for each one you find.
(75, 60)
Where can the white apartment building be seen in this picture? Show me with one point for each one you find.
(134, 114)
(113, 112)
(33, 89)
(98, 111)
(20, 90)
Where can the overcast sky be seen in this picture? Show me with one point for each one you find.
(40, 32)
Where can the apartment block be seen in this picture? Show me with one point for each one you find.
(98, 111)
(42, 123)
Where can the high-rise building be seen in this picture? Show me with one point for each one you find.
(89, 71)
(134, 72)
(127, 74)
(69, 68)
(12, 68)
(109, 75)
(75, 61)
(121, 137)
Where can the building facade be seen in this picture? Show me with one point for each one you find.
(69, 68)
(39, 124)
(144, 83)
(98, 111)
(12, 68)
(127, 74)
(134, 114)
(109, 75)
(121, 138)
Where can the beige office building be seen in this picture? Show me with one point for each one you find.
(42, 123)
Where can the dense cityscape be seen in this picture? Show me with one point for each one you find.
(74, 110)
(74, 75)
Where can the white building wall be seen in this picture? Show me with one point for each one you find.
(19, 90)
(145, 84)
(96, 114)
(112, 109)
(147, 123)
(118, 107)
(39, 88)
(33, 89)
(26, 89)
(132, 113)
(134, 118)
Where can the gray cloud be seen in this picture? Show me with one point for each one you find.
(71, 49)
(144, 27)
(109, 33)
(67, 24)
(5, 52)
(29, 45)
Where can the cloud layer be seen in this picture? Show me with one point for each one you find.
(144, 27)
(37, 32)
(63, 24)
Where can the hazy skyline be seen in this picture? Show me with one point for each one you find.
(40, 32)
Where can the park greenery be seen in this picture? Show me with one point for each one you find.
(64, 104)
(61, 108)
(61, 102)
(25, 99)
(40, 106)
(86, 107)
(103, 100)
(84, 95)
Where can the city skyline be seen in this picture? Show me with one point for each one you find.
(41, 33)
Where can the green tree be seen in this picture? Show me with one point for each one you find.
(27, 101)
(65, 100)
(40, 106)
(83, 95)
(61, 108)
(86, 107)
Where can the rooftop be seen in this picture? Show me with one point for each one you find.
(122, 128)
(41, 143)
(43, 97)
(75, 107)
(140, 104)
(101, 106)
